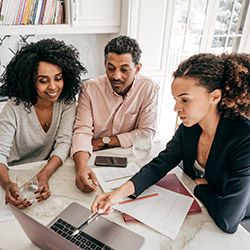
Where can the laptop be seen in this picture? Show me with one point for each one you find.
(57, 235)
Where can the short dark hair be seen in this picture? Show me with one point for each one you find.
(122, 45)
(228, 72)
(20, 74)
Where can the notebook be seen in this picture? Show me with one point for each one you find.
(101, 234)
(172, 182)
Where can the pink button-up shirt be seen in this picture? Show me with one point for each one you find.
(102, 112)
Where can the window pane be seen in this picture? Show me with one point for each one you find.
(197, 16)
(218, 44)
(238, 16)
(224, 16)
(191, 46)
(232, 44)
(180, 17)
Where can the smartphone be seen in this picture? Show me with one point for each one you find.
(110, 161)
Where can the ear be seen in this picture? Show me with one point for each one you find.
(216, 96)
(138, 68)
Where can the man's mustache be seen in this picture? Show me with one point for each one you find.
(116, 81)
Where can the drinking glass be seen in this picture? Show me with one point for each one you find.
(142, 147)
(27, 188)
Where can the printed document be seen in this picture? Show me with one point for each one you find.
(111, 178)
(165, 213)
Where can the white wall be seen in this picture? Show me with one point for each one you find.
(90, 48)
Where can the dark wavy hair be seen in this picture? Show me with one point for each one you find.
(20, 74)
(228, 72)
(123, 45)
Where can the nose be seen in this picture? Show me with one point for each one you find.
(52, 85)
(117, 75)
(177, 107)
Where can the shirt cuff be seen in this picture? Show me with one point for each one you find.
(125, 140)
(62, 152)
(78, 149)
(81, 142)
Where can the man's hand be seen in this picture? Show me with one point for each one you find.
(86, 180)
(97, 144)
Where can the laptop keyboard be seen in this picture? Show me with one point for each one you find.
(82, 240)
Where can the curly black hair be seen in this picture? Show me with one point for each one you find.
(20, 74)
(228, 72)
(122, 45)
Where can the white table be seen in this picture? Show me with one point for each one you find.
(198, 232)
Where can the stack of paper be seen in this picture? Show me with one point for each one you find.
(165, 213)
(112, 177)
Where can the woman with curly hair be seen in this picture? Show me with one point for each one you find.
(213, 142)
(36, 123)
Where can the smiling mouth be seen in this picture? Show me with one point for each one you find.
(52, 94)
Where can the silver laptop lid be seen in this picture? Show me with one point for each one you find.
(103, 230)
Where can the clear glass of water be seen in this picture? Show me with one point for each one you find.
(27, 189)
(142, 148)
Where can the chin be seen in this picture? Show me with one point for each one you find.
(188, 124)
(118, 91)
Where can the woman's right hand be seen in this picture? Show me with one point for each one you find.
(12, 196)
(103, 203)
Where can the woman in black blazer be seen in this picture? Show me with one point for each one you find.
(213, 101)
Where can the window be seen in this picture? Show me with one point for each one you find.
(203, 26)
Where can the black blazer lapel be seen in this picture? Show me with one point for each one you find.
(191, 140)
(218, 144)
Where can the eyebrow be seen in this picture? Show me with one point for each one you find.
(123, 65)
(47, 75)
(182, 94)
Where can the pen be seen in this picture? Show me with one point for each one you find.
(119, 178)
(139, 198)
(90, 219)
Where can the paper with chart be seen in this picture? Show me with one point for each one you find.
(165, 213)
(112, 177)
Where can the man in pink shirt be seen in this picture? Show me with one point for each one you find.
(113, 109)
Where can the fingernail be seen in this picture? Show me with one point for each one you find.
(100, 211)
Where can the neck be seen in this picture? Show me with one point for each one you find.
(40, 104)
(209, 125)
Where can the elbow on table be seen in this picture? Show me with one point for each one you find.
(226, 224)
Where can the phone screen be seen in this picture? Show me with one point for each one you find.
(110, 161)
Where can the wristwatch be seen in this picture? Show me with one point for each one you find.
(106, 140)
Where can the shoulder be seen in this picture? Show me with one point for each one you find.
(145, 85)
(94, 83)
(11, 106)
(235, 133)
(236, 127)
(146, 81)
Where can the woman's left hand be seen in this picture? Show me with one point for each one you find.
(43, 190)
(200, 181)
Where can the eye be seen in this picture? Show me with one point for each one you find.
(42, 80)
(124, 70)
(59, 78)
(185, 100)
(110, 69)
